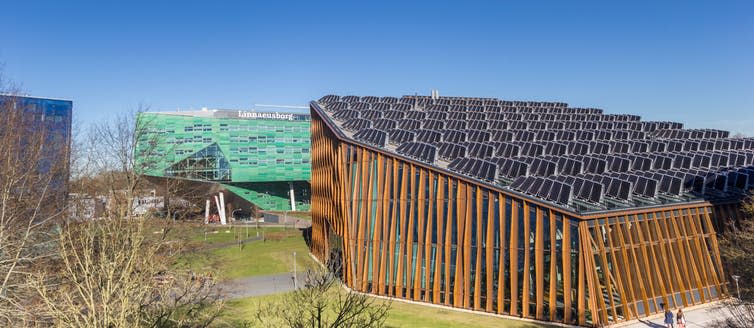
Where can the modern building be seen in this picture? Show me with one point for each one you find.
(527, 209)
(259, 158)
(38, 132)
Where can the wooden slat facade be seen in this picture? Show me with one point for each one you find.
(401, 229)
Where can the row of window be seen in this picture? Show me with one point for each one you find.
(270, 161)
(269, 150)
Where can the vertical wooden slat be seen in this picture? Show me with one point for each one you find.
(402, 242)
(478, 263)
(513, 271)
(409, 268)
(377, 252)
(489, 249)
(604, 266)
(468, 219)
(420, 224)
(539, 264)
(461, 240)
(448, 240)
(393, 228)
(553, 266)
(440, 239)
(366, 221)
(428, 264)
(566, 267)
(501, 258)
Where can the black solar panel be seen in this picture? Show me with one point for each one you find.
(409, 124)
(371, 136)
(418, 150)
(477, 168)
(399, 136)
(450, 151)
(551, 151)
(356, 124)
(479, 150)
(428, 136)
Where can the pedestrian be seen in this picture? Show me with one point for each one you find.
(680, 319)
(668, 318)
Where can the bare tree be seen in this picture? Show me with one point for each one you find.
(323, 303)
(33, 178)
(117, 272)
(737, 251)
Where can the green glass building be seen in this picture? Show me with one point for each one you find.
(260, 157)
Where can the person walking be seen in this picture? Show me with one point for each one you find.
(668, 318)
(680, 319)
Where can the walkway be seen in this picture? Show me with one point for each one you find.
(260, 285)
(696, 317)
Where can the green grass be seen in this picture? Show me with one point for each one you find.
(401, 315)
(274, 255)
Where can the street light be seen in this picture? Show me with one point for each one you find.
(735, 278)
(295, 283)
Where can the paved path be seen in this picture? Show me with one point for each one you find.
(697, 317)
(260, 285)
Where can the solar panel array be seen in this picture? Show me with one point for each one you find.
(576, 157)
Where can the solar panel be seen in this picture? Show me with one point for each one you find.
(360, 106)
(455, 125)
(415, 115)
(478, 136)
(350, 99)
(384, 124)
(477, 168)
(408, 124)
(477, 125)
(543, 168)
(501, 135)
(454, 136)
(507, 150)
(599, 158)
(479, 150)
(371, 136)
(428, 136)
(393, 114)
(356, 124)
(418, 150)
(451, 151)
(371, 114)
(433, 125)
(399, 136)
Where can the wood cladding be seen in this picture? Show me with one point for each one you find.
(403, 230)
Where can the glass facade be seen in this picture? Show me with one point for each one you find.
(51, 119)
(255, 155)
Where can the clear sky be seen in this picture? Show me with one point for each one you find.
(664, 60)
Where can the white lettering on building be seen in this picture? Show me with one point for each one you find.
(270, 116)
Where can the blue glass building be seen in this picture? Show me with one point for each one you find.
(50, 121)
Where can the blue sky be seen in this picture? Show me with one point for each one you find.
(671, 60)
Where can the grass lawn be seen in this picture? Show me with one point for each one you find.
(274, 255)
(401, 315)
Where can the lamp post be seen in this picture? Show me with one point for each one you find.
(295, 282)
(738, 292)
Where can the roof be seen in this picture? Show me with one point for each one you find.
(240, 114)
(579, 159)
(32, 97)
